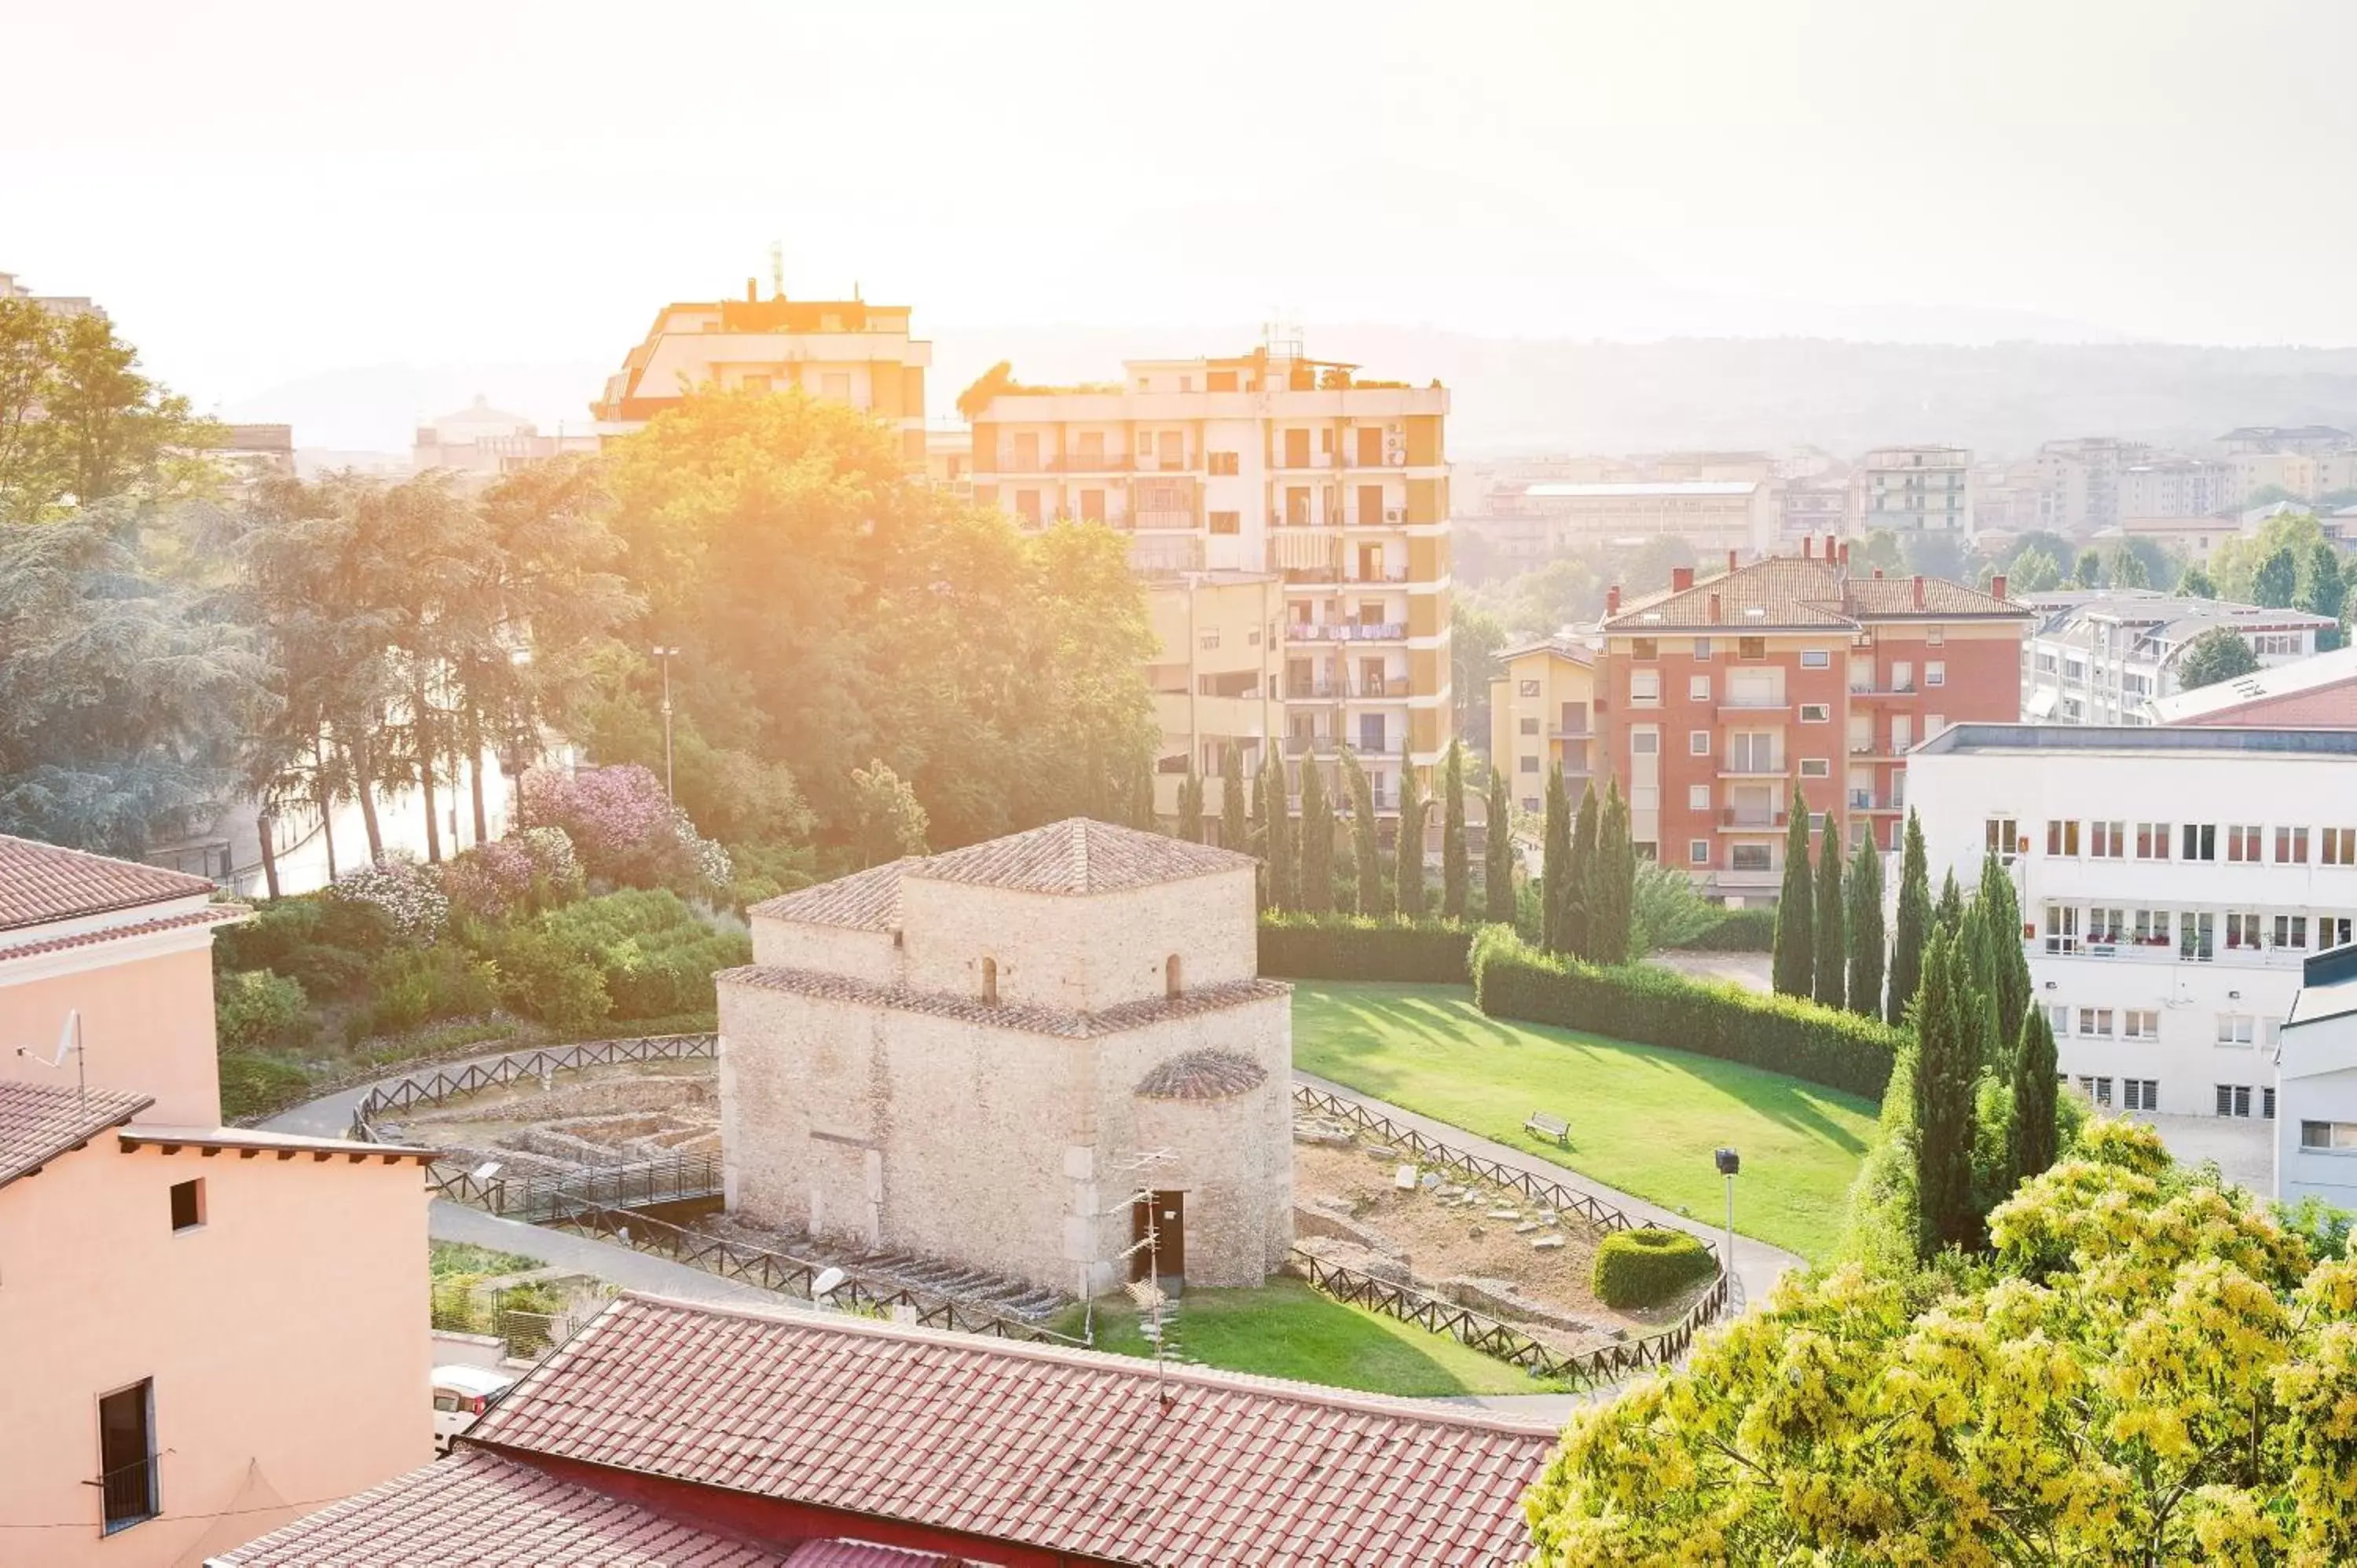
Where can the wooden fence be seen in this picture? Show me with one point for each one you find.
(518, 1067)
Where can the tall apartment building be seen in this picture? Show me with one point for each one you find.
(2166, 485)
(843, 351)
(2172, 882)
(1711, 515)
(1270, 463)
(1720, 695)
(1814, 505)
(1216, 674)
(1543, 719)
(2102, 657)
(2080, 478)
(1915, 490)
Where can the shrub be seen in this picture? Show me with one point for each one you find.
(624, 829)
(1734, 930)
(1353, 947)
(553, 982)
(1653, 1006)
(409, 895)
(1648, 1267)
(535, 869)
(414, 986)
(271, 937)
(254, 1010)
(254, 1085)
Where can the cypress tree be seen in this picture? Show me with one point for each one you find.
(1498, 854)
(1455, 876)
(1948, 915)
(1794, 968)
(1947, 1065)
(1572, 918)
(1914, 926)
(1554, 867)
(1190, 806)
(1233, 832)
(1316, 894)
(1407, 874)
(1283, 884)
(1866, 954)
(1366, 849)
(1263, 829)
(2002, 971)
(2032, 1137)
(1830, 948)
(1608, 886)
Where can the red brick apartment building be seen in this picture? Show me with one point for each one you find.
(1720, 695)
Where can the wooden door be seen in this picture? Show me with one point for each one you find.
(1297, 448)
(1165, 1211)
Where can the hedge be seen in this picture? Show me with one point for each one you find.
(1353, 947)
(1735, 931)
(252, 1084)
(1657, 1007)
(1646, 1268)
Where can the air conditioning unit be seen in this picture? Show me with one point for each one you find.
(1395, 453)
(1396, 431)
(1395, 514)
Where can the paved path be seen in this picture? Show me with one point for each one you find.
(607, 1261)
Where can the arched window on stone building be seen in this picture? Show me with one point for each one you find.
(990, 980)
(1170, 976)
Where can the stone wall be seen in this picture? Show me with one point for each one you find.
(872, 956)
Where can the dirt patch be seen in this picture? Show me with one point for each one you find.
(604, 1116)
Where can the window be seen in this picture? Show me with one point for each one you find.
(1751, 648)
(2332, 930)
(2107, 841)
(1698, 742)
(2337, 846)
(2095, 1023)
(1646, 850)
(1529, 727)
(1902, 676)
(2243, 930)
(990, 982)
(2234, 1099)
(1171, 977)
(1816, 659)
(2291, 846)
(1645, 688)
(1698, 797)
(2062, 930)
(1816, 713)
(1999, 836)
(2201, 840)
(1698, 851)
(1698, 689)
(2140, 1093)
(2152, 927)
(755, 384)
(2242, 843)
(1748, 857)
(1224, 463)
(187, 1204)
(1027, 506)
(1702, 650)
(1644, 647)
(2106, 926)
(1530, 802)
(2152, 840)
(1227, 522)
(1092, 505)
(2275, 644)
(2098, 1091)
(2291, 931)
(2267, 1102)
(1209, 640)
(1530, 765)
(2235, 1029)
(1937, 636)
(1644, 742)
(2328, 1135)
(1530, 688)
(2057, 1019)
(2062, 838)
(1816, 767)
(126, 1455)
(2140, 1024)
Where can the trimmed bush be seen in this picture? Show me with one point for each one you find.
(1734, 930)
(254, 1010)
(415, 985)
(1645, 1268)
(254, 1085)
(1656, 1007)
(1353, 947)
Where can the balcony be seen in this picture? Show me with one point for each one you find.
(2167, 950)
(1387, 688)
(1905, 689)
(1774, 767)
(1346, 632)
(1735, 819)
(1867, 801)
(1331, 746)
(1336, 577)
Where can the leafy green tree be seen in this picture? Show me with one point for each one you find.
(2277, 581)
(1189, 824)
(1408, 872)
(1475, 636)
(1664, 909)
(2324, 588)
(2127, 569)
(1948, 915)
(1234, 831)
(1575, 920)
(2235, 564)
(1947, 1064)
(2033, 1135)
(2034, 572)
(1913, 928)
(1555, 867)
(2197, 584)
(1608, 879)
(1456, 873)
(1864, 887)
(1831, 946)
(889, 819)
(2089, 573)
(1794, 969)
(2219, 654)
(1366, 849)
(1498, 853)
(79, 425)
(1316, 840)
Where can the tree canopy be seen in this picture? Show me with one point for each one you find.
(2219, 654)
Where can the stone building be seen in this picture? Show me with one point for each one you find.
(968, 1055)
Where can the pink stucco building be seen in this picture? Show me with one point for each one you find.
(205, 1330)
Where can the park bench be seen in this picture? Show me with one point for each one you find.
(1548, 1126)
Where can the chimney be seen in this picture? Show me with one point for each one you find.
(1997, 586)
(1877, 573)
(1832, 546)
(1612, 600)
(1808, 547)
(1681, 579)
(1919, 590)
(752, 291)
(1730, 563)
(1716, 615)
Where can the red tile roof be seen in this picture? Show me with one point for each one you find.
(1802, 593)
(39, 1122)
(1078, 855)
(1072, 1023)
(1061, 1450)
(40, 883)
(865, 901)
(1202, 1075)
(488, 1512)
(210, 915)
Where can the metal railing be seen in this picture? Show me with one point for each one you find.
(536, 1199)
(438, 1086)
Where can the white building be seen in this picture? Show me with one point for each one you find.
(481, 443)
(1916, 489)
(2103, 656)
(2172, 882)
(2316, 1136)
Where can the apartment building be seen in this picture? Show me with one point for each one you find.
(2080, 479)
(1915, 490)
(1216, 676)
(843, 351)
(478, 443)
(2245, 439)
(55, 304)
(1543, 719)
(2316, 1072)
(2195, 538)
(209, 1328)
(1266, 463)
(2172, 883)
(1711, 515)
(1719, 696)
(2104, 656)
(2165, 485)
(1815, 505)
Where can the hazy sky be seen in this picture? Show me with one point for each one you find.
(264, 192)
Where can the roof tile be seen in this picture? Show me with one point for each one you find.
(1032, 1018)
(39, 1122)
(1803, 592)
(1078, 855)
(40, 883)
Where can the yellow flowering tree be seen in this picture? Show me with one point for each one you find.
(2151, 1372)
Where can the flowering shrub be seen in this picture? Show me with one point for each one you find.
(408, 894)
(530, 870)
(623, 829)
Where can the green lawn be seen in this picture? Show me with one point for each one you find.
(1284, 1329)
(1644, 1119)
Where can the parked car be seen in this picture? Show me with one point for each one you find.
(460, 1395)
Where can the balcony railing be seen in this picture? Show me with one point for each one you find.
(1867, 801)
(1905, 690)
(1346, 632)
(1333, 745)
(1345, 687)
(1755, 704)
(1774, 767)
(1333, 577)
(2167, 949)
(1733, 817)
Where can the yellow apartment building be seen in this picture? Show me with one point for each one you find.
(844, 351)
(1274, 465)
(1542, 717)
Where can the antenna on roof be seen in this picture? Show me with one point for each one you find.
(777, 269)
(1148, 1293)
(69, 1039)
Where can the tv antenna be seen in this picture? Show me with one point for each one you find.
(777, 269)
(1148, 1293)
(69, 1039)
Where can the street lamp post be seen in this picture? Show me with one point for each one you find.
(1730, 1161)
(665, 655)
